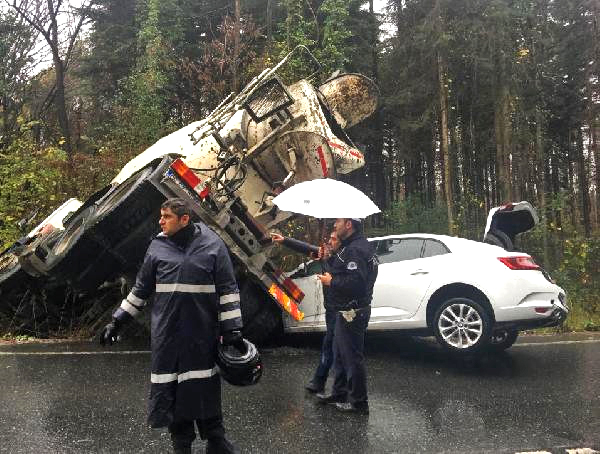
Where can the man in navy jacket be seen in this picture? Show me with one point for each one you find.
(196, 300)
(350, 280)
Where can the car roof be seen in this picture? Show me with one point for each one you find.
(452, 242)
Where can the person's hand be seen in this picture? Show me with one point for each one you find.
(276, 237)
(234, 338)
(108, 336)
(325, 279)
(324, 252)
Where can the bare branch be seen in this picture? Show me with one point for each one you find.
(35, 24)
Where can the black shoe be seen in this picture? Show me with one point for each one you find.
(182, 449)
(220, 446)
(330, 398)
(361, 408)
(315, 386)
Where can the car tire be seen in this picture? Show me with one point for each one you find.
(502, 339)
(462, 326)
(261, 316)
(499, 238)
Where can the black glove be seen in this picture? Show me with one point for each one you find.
(235, 339)
(108, 336)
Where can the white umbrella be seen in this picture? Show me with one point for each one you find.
(326, 198)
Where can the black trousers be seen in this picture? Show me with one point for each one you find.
(349, 359)
(326, 360)
(183, 433)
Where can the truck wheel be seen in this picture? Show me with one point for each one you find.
(261, 316)
(130, 204)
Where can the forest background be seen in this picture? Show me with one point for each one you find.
(482, 102)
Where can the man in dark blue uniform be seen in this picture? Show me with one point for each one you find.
(350, 281)
(196, 300)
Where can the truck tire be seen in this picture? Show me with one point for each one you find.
(260, 314)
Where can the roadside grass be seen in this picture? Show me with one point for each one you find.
(581, 319)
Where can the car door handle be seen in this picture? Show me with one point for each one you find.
(415, 273)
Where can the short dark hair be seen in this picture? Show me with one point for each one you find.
(177, 205)
(356, 225)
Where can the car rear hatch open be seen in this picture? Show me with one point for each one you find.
(505, 222)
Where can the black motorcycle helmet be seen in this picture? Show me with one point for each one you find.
(239, 368)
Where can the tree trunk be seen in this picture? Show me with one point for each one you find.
(571, 179)
(444, 148)
(430, 176)
(61, 106)
(502, 135)
(236, 46)
(583, 183)
(541, 184)
(375, 151)
(595, 132)
(269, 22)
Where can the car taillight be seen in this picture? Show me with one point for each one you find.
(522, 262)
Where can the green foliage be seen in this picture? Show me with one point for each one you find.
(413, 216)
(325, 32)
(15, 45)
(9, 337)
(30, 179)
(146, 87)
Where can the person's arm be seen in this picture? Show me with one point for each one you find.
(230, 315)
(134, 303)
(145, 285)
(296, 245)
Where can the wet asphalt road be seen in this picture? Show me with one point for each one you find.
(544, 393)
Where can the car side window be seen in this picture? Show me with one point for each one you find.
(388, 251)
(411, 248)
(433, 247)
(396, 250)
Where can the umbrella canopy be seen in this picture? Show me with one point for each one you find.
(326, 198)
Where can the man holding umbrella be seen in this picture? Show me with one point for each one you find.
(350, 281)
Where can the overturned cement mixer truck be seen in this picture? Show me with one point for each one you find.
(228, 166)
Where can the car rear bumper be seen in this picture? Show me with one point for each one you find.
(556, 318)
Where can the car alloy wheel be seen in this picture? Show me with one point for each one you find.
(462, 325)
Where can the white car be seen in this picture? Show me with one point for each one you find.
(470, 295)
